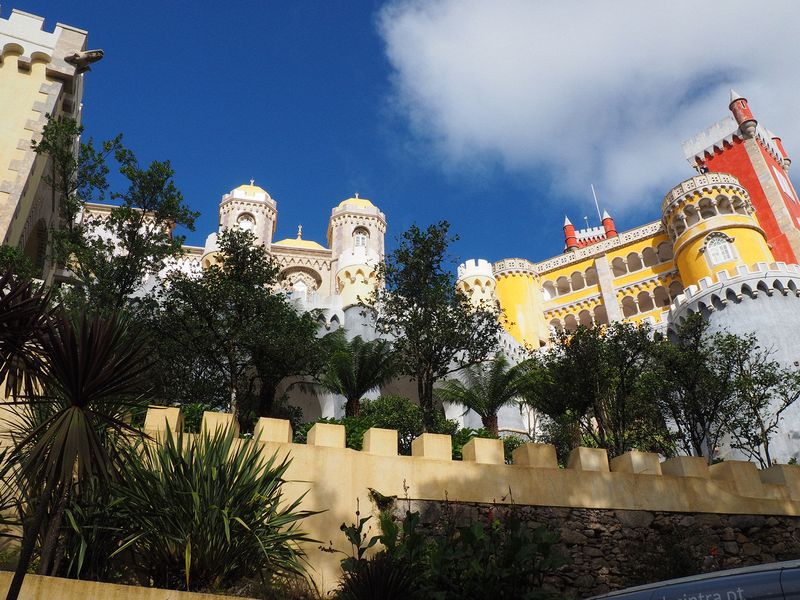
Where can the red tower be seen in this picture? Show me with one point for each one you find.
(608, 225)
(739, 145)
(570, 239)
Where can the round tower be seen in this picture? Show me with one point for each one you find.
(711, 223)
(520, 296)
(356, 237)
(476, 280)
(251, 208)
(570, 239)
(743, 115)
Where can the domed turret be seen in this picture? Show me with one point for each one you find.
(711, 223)
(356, 236)
(251, 208)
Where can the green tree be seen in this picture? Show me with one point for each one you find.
(230, 324)
(600, 379)
(696, 385)
(12, 260)
(110, 254)
(764, 390)
(435, 329)
(486, 388)
(355, 367)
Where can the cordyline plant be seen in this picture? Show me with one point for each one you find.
(79, 379)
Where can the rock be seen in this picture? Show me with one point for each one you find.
(750, 549)
(746, 521)
(728, 534)
(589, 533)
(730, 547)
(634, 518)
(772, 522)
(570, 537)
(742, 538)
(593, 552)
(708, 520)
(686, 522)
(584, 581)
(778, 548)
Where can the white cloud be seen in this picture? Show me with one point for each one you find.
(601, 92)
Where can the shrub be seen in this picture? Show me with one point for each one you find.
(204, 512)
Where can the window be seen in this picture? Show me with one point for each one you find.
(246, 222)
(719, 250)
(360, 238)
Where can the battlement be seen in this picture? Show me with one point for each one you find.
(761, 280)
(338, 480)
(590, 235)
(724, 132)
(475, 268)
(705, 183)
(513, 266)
(23, 34)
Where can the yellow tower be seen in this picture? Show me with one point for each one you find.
(712, 225)
(355, 236)
(519, 293)
(41, 73)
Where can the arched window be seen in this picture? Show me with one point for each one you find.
(618, 267)
(629, 307)
(675, 289)
(692, 217)
(719, 250)
(562, 285)
(649, 256)
(570, 323)
(360, 237)
(577, 280)
(585, 318)
(591, 276)
(724, 205)
(634, 262)
(661, 296)
(600, 315)
(645, 301)
(665, 251)
(707, 209)
(549, 290)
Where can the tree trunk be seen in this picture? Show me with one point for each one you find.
(28, 545)
(353, 407)
(50, 542)
(425, 390)
(490, 423)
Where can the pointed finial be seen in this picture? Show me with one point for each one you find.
(567, 221)
(605, 214)
(252, 181)
(299, 232)
(356, 194)
(734, 96)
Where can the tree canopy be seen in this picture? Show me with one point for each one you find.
(434, 328)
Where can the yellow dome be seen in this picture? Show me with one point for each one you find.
(299, 243)
(359, 202)
(251, 189)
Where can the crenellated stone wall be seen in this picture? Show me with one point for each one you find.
(337, 480)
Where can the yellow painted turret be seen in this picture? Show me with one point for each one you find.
(711, 223)
(520, 296)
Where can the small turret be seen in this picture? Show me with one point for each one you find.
(476, 280)
(570, 239)
(744, 117)
(779, 143)
(608, 225)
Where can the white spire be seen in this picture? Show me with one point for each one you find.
(606, 215)
(734, 96)
(567, 221)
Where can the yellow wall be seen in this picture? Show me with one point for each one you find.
(520, 298)
(19, 90)
(38, 587)
(356, 284)
(337, 479)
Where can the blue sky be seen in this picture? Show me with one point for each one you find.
(494, 116)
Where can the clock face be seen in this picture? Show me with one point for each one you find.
(246, 223)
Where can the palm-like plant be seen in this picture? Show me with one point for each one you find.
(207, 510)
(92, 376)
(356, 367)
(486, 388)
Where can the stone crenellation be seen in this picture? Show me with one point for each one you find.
(607, 496)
